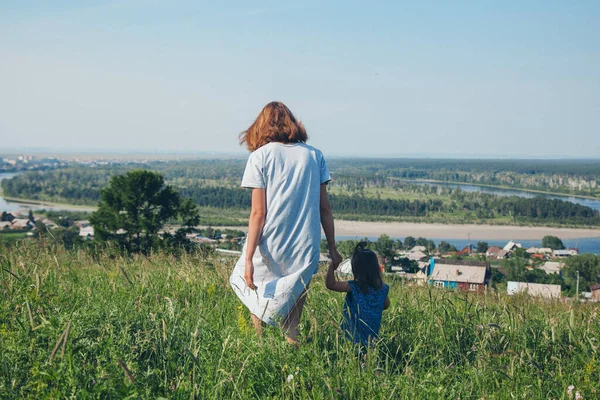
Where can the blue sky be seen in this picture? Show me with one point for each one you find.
(471, 78)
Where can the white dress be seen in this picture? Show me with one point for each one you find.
(287, 255)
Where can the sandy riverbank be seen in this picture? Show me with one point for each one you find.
(487, 232)
(490, 232)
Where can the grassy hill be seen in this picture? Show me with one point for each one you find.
(81, 325)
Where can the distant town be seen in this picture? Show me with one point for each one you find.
(468, 269)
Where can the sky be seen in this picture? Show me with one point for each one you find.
(374, 79)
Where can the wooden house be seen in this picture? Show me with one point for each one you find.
(465, 275)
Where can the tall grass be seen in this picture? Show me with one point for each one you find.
(83, 324)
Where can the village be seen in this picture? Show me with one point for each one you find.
(465, 269)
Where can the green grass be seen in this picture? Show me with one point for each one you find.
(179, 330)
(9, 238)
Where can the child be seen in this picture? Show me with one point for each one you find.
(366, 298)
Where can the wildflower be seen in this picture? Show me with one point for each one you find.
(289, 378)
(570, 391)
(578, 396)
(211, 289)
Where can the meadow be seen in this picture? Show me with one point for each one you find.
(96, 324)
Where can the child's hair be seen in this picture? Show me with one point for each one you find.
(365, 267)
(275, 123)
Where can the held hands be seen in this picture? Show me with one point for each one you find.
(336, 258)
(249, 275)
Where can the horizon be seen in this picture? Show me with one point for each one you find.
(458, 80)
(243, 154)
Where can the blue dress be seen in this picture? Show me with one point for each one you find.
(362, 312)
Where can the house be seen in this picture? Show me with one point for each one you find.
(552, 267)
(4, 225)
(82, 224)
(595, 292)
(345, 268)
(418, 248)
(532, 250)
(534, 289)
(510, 246)
(6, 216)
(545, 250)
(87, 232)
(420, 278)
(502, 254)
(323, 258)
(467, 250)
(417, 255)
(563, 253)
(21, 224)
(49, 223)
(492, 252)
(472, 276)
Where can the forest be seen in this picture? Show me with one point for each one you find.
(361, 190)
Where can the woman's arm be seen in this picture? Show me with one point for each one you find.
(255, 226)
(332, 283)
(328, 226)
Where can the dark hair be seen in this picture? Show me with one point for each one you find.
(365, 268)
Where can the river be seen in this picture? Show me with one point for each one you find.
(593, 204)
(585, 245)
(14, 206)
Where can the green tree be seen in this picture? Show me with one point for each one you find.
(482, 247)
(588, 266)
(135, 207)
(409, 242)
(552, 242)
(445, 247)
(384, 246)
(346, 247)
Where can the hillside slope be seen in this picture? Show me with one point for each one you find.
(171, 327)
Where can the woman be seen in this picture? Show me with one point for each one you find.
(289, 180)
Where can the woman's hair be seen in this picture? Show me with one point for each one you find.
(365, 268)
(275, 123)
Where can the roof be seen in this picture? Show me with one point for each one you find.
(595, 287)
(458, 273)
(532, 250)
(534, 289)
(20, 223)
(562, 253)
(493, 250)
(417, 255)
(345, 267)
(552, 267)
(418, 248)
(511, 245)
(502, 253)
(4, 224)
(87, 231)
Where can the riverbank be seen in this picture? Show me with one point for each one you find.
(512, 188)
(489, 232)
(402, 229)
(474, 232)
(41, 204)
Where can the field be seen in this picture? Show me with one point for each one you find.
(99, 325)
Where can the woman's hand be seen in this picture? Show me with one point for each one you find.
(336, 258)
(249, 275)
